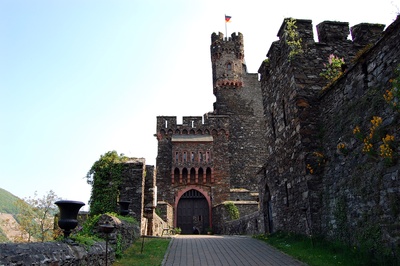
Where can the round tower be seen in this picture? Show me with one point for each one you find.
(227, 57)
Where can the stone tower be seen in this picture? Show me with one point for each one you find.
(227, 62)
(203, 164)
(238, 95)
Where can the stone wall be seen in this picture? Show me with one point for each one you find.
(308, 185)
(69, 253)
(132, 188)
(54, 253)
(250, 224)
(246, 224)
(360, 192)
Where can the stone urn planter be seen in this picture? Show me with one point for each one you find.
(124, 207)
(68, 215)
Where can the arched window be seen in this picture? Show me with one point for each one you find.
(192, 176)
(208, 175)
(229, 66)
(176, 175)
(184, 175)
(200, 157)
(184, 157)
(201, 176)
(176, 157)
(192, 157)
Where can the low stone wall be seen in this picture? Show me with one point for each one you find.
(159, 226)
(60, 253)
(54, 253)
(247, 225)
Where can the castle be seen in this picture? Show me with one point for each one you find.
(289, 149)
(280, 144)
(202, 165)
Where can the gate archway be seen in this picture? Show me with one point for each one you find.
(193, 212)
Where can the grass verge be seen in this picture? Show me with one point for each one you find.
(317, 251)
(152, 255)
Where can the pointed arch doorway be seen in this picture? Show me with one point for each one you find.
(193, 212)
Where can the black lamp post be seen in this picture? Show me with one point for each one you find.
(68, 215)
(106, 229)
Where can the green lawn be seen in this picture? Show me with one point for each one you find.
(318, 252)
(152, 255)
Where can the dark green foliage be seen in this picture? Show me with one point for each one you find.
(324, 252)
(232, 210)
(105, 178)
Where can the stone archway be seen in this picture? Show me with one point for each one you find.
(193, 212)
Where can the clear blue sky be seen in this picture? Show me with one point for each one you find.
(80, 78)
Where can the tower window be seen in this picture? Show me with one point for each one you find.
(229, 66)
(184, 157)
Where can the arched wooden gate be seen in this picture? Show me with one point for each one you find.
(193, 213)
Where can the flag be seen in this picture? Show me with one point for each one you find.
(227, 19)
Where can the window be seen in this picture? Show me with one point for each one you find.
(184, 157)
(208, 157)
(176, 157)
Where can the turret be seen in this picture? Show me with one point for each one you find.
(227, 57)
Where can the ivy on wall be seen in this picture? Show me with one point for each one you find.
(293, 39)
(105, 178)
(232, 210)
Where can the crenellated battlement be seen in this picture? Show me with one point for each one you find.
(332, 39)
(334, 31)
(213, 124)
(235, 37)
(365, 33)
(233, 44)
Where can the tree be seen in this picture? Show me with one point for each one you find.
(105, 178)
(36, 216)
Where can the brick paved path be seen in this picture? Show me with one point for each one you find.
(204, 250)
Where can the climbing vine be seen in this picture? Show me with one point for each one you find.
(232, 210)
(105, 178)
(293, 39)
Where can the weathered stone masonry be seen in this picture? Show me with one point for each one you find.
(345, 193)
(230, 139)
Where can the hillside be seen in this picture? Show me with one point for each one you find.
(7, 202)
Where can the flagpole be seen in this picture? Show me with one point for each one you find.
(226, 28)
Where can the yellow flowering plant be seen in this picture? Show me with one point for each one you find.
(386, 149)
(392, 96)
(342, 148)
(316, 162)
